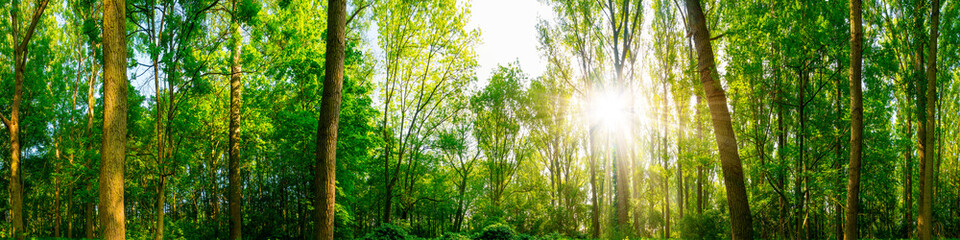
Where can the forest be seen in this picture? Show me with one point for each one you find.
(374, 119)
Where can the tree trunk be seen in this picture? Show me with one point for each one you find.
(666, 166)
(113, 148)
(800, 165)
(234, 184)
(161, 198)
(461, 193)
(56, 192)
(741, 222)
(594, 191)
(160, 153)
(700, 177)
(838, 163)
(326, 165)
(927, 166)
(680, 185)
(856, 120)
(908, 186)
(91, 101)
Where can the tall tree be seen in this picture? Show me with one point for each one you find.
(927, 163)
(113, 149)
(498, 131)
(419, 84)
(856, 120)
(624, 19)
(21, 41)
(233, 174)
(326, 165)
(737, 201)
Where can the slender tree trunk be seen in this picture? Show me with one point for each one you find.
(908, 186)
(856, 120)
(680, 185)
(666, 165)
(700, 177)
(461, 194)
(13, 128)
(741, 222)
(927, 165)
(56, 193)
(113, 148)
(91, 102)
(781, 145)
(161, 198)
(594, 190)
(234, 184)
(838, 163)
(160, 153)
(800, 165)
(326, 166)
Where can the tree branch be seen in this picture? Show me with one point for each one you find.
(33, 23)
(355, 13)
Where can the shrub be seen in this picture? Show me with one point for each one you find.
(387, 231)
(524, 237)
(453, 236)
(496, 231)
(710, 225)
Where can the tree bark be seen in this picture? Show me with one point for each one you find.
(326, 165)
(113, 150)
(233, 173)
(856, 120)
(737, 200)
(927, 166)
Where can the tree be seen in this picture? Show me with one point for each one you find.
(625, 18)
(856, 120)
(235, 201)
(722, 126)
(21, 41)
(428, 59)
(113, 149)
(927, 164)
(498, 111)
(326, 166)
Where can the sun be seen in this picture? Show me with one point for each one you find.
(610, 111)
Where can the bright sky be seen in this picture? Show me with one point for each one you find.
(508, 32)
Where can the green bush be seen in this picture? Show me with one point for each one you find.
(496, 231)
(524, 237)
(709, 225)
(453, 236)
(387, 231)
(555, 236)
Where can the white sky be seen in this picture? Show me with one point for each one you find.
(508, 32)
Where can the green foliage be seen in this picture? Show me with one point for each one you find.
(497, 231)
(454, 236)
(387, 231)
(709, 225)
